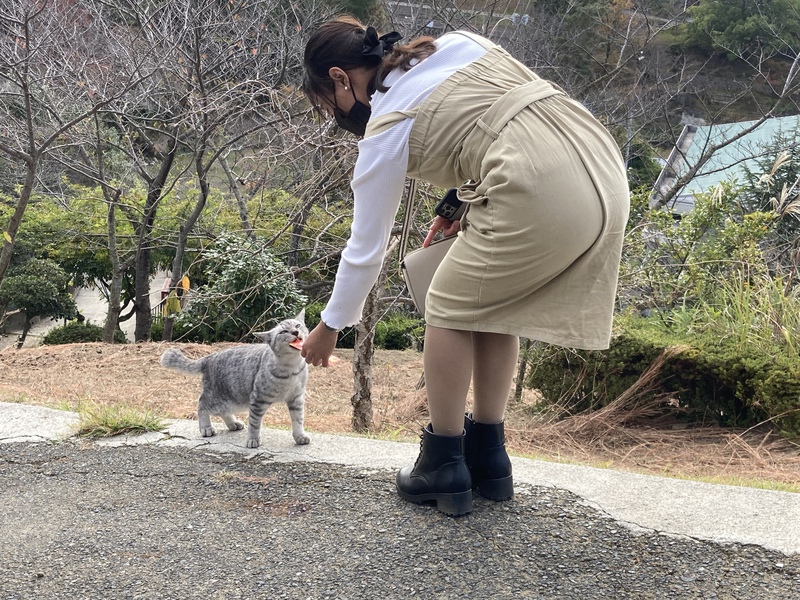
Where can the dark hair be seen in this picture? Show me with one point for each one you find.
(345, 43)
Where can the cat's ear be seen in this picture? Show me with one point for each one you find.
(264, 336)
(301, 316)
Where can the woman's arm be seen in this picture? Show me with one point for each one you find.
(377, 185)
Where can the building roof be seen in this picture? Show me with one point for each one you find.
(728, 163)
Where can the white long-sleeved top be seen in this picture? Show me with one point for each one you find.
(379, 176)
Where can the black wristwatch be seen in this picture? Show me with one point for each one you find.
(328, 327)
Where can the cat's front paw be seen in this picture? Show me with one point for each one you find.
(207, 431)
(253, 442)
(302, 439)
(235, 425)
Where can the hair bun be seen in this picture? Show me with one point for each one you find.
(377, 47)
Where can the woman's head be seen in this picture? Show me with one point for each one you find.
(345, 56)
(338, 50)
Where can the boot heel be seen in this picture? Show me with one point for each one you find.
(497, 489)
(455, 505)
(487, 459)
(440, 475)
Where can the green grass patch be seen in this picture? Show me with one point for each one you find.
(762, 484)
(20, 398)
(98, 421)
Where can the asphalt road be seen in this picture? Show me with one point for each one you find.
(174, 516)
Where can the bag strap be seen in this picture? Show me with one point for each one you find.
(385, 121)
(411, 191)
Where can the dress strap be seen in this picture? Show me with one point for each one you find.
(383, 122)
(514, 100)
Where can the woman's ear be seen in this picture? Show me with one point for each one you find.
(339, 77)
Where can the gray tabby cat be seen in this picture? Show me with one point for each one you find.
(251, 377)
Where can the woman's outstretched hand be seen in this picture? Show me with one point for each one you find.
(447, 228)
(319, 345)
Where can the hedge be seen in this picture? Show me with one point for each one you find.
(396, 331)
(711, 379)
(78, 333)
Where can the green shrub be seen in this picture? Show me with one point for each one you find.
(247, 288)
(77, 333)
(38, 288)
(313, 311)
(397, 332)
(157, 330)
(713, 379)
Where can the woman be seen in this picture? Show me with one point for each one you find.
(539, 254)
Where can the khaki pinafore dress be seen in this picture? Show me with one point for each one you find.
(548, 202)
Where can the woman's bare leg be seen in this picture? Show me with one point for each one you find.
(448, 368)
(494, 363)
(451, 359)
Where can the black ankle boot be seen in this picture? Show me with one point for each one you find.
(440, 475)
(487, 459)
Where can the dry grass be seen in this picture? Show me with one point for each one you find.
(616, 436)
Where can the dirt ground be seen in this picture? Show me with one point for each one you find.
(67, 376)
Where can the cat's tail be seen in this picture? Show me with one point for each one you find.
(175, 359)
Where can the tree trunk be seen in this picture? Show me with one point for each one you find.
(115, 290)
(114, 307)
(523, 367)
(183, 238)
(144, 318)
(362, 364)
(296, 237)
(244, 216)
(169, 325)
(364, 351)
(10, 233)
(26, 327)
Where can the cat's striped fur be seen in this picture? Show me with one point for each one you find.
(251, 378)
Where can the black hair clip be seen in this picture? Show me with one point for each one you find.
(379, 46)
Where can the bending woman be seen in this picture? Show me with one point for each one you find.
(538, 256)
